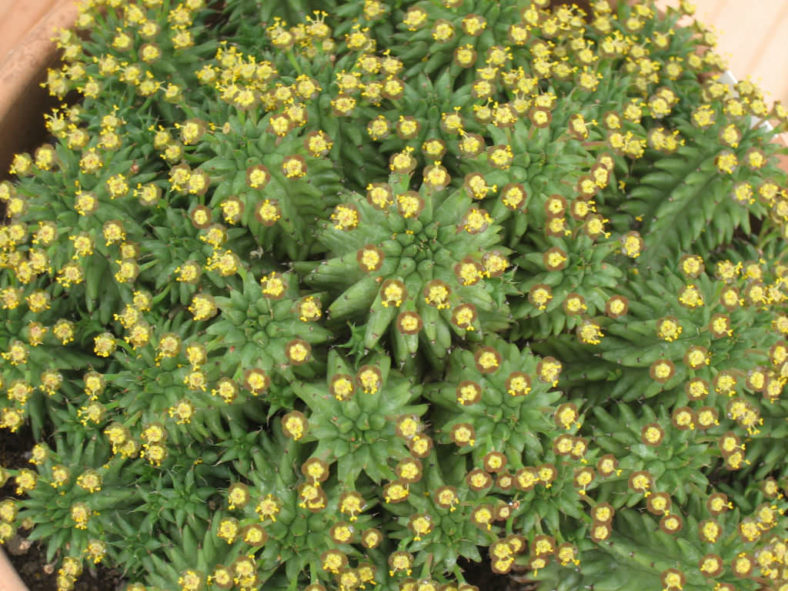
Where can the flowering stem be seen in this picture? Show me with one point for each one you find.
(161, 295)
(294, 62)
(458, 573)
(425, 570)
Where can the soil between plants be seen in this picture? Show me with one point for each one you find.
(30, 561)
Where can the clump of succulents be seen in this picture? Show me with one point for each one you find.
(331, 295)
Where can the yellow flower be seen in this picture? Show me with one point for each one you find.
(104, 344)
(370, 258)
(469, 272)
(436, 293)
(409, 204)
(11, 419)
(113, 232)
(566, 415)
(343, 105)
(294, 167)
(415, 17)
(294, 425)
(196, 380)
(190, 580)
(182, 39)
(402, 162)
(726, 162)
(309, 309)
(202, 307)
(117, 186)
(80, 513)
(273, 285)
(703, 116)
(421, 526)
(690, 296)
(268, 212)
(70, 274)
(482, 516)
(341, 387)
(358, 39)
(182, 412)
(478, 187)
(228, 529)
(83, 245)
(590, 333)
(147, 194)
(378, 128)
(268, 508)
(226, 262)
(95, 550)
(256, 381)
(345, 217)
(548, 370)
(369, 379)
(392, 293)
(127, 271)
(554, 259)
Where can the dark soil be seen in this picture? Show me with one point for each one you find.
(481, 575)
(28, 559)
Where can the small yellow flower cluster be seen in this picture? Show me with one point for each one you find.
(496, 171)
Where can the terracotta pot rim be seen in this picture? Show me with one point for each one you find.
(32, 53)
(9, 579)
(21, 71)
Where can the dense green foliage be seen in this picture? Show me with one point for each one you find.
(321, 295)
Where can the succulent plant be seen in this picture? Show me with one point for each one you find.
(327, 295)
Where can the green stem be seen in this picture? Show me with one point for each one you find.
(425, 570)
(161, 295)
(458, 574)
(293, 61)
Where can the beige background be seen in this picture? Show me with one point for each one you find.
(752, 37)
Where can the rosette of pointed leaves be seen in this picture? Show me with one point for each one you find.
(718, 180)
(680, 336)
(705, 541)
(500, 392)
(695, 343)
(569, 281)
(282, 178)
(672, 449)
(354, 416)
(418, 266)
(496, 404)
(271, 326)
(90, 507)
(293, 509)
